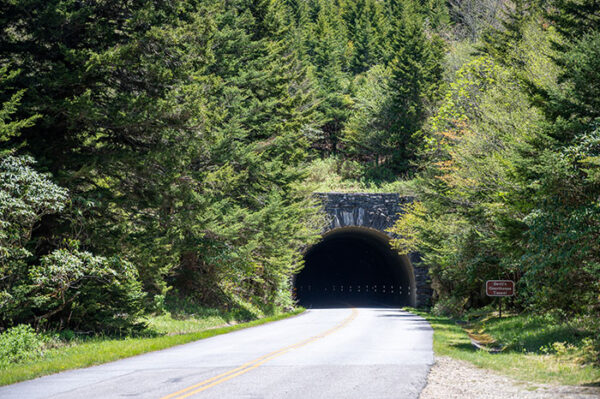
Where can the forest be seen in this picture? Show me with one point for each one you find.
(153, 150)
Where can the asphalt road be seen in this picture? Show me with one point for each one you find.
(323, 353)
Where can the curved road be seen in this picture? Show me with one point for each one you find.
(323, 353)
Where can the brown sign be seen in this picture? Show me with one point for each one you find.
(500, 288)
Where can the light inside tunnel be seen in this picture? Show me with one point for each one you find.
(355, 266)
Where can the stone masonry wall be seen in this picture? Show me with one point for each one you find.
(378, 211)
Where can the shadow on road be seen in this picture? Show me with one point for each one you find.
(337, 304)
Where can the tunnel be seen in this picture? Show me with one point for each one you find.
(355, 266)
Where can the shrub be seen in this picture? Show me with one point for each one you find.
(86, 292)
(158, 304)
(450, 306)
(67, 288)
(25, 197)
(19, 343)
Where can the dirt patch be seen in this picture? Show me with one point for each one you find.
(450, 378)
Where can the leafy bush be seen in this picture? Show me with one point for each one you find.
(591, 349)
(449, 306)
(19, 343)
(25, 197)
(68, 287)
(158, 304)
(86, 292)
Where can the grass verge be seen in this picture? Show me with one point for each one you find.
(102, 350)
(535, 348)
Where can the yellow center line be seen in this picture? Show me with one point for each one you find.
(251, 365)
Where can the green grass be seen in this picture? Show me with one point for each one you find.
(335, 175)
(536, 348)
(167, 324)
(184, 317)
(100, 350)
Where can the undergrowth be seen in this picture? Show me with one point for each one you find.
(26, 354)
(537, 348)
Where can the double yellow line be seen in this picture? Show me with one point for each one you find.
(251, 365)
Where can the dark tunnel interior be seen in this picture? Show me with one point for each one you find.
(354, 267)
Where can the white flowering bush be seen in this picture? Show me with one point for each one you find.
(68, 287)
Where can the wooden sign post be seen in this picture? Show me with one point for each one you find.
(500, 288)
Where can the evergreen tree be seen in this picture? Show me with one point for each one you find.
(574, 18)
(499, 43)
(575, 104)
(327, 41)
(180, 130)
(367, 133)
(363, 40)
(416, 74)
(249, 170)
(566, 169)
(10, 129)
(366, 27)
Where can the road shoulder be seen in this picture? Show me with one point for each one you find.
(451, 378)
(102, 351)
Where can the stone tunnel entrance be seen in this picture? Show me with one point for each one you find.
(355, 266)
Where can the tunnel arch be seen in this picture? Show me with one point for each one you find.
(356, 266)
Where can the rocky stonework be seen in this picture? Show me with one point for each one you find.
(378, 211)
(422, 281)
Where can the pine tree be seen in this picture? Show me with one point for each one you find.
(10, 129)
(365, 26)
(416, 72)
(245, 241)
(500, 43)
(563, 173)
(327, 41)
(574, 18)
(572, 106)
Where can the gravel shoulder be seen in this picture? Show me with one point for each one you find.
(451, 378)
